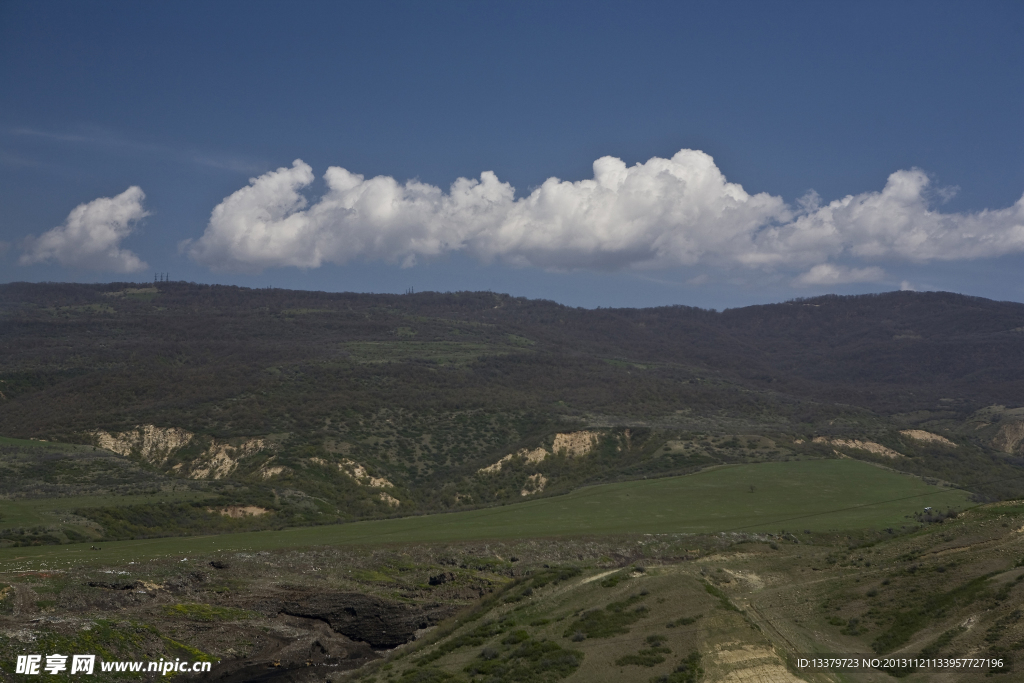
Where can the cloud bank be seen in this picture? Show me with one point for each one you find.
(91, 236)
(831, 274)
(662, 213)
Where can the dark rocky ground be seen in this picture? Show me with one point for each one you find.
(739, 604)
(297, 615)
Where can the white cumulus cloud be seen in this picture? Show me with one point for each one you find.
(897, 222)
(662, 213)
(832, 274)
(91, 235)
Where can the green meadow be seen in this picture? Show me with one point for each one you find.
(30, 512)
(48, 445)
(816, 495)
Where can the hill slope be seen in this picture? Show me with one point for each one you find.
(307, 407)
(229, 360)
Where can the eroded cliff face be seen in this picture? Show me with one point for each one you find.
(1009, 437)
(927, 437)
(388, 499)
(536, 455)
(535, 483)
(268, 470)
(362, 477)
(576, 444)
(572, 444)
(869, 446)
(221, 459)
(157, 445)
(153, 444)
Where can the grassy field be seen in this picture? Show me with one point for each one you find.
(30, 512)
(49, 445)
(819, 495)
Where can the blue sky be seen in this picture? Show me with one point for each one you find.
(710, 154)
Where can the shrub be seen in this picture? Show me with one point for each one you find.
(612, 620)
(688, 671)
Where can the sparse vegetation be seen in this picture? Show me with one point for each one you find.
(649, 656)
(200, 612)
(903, 624)
(688, 671)
(723, 599)
(705, 436)
(614, 619)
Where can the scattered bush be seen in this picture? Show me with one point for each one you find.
(688, 671)
(723, 599)
(647, 657)
(610, 621)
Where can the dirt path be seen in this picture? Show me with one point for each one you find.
(595, 577)
(24, 600)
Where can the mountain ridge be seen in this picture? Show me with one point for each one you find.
(285, 394)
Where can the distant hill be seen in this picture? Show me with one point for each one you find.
(326, 393)
(136, 412)
(236, 361)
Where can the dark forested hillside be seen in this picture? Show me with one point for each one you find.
(228, 360)
(313, 406)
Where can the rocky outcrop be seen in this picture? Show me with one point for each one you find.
(575, 444)
(268, 471)
(362, 477)
(1009, 437)
(221, 459)
(571, 444)
(157, 444)
(534, 484)
(368, 619)
(533, 456)
(294, 650)
(389, 500)
(869, 446)
(927, 437)
(442, 578)
(116, 585)
(152, 444)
